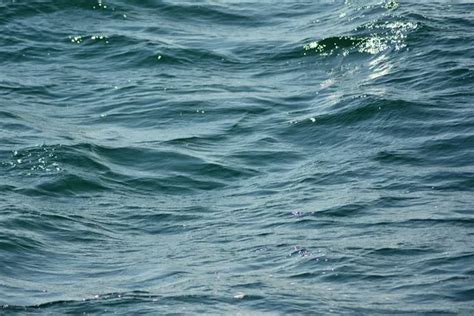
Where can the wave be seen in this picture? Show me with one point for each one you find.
(372, 38)
(90, 169)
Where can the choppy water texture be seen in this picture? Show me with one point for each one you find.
(236, 157)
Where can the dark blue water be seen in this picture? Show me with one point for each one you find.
(236, 157)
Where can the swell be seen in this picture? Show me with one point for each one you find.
(208, 13)
(129, 302)
(352, 111)
(23, 9)
(91, 169)
(139, 49)
(387, 33)
(139, 53)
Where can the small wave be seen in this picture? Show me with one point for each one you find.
(86, 169)
(372, 38)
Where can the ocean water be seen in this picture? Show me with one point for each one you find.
(227, 157)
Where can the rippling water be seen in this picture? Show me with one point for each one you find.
(236, 157)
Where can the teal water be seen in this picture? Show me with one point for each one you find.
(236, 157)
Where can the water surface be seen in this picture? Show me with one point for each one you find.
(236, 157)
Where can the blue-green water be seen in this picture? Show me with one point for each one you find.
(236, 157)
